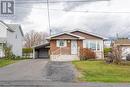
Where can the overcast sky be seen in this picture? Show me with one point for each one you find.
(105, 17)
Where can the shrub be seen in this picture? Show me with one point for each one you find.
(27, 50)
(86, 54)
(106, 51)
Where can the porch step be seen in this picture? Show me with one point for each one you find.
(64, 57)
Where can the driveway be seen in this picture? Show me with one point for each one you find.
(24, 70)
(60, 71)
(41, 73)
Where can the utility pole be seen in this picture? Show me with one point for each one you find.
(117, 36)
(48, 12)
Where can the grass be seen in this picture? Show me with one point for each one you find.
(98, 71)
(5, 62)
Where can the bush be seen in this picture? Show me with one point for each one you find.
(27, 50)
(106, 51)
(86, 54)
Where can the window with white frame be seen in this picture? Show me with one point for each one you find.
(98, 46)
(94, 45)
(61, 43)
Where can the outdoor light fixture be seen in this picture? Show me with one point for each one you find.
(68, 41)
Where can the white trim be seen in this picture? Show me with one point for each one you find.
(95, 41)
(74, 51)
(78, 37)
(58, 43)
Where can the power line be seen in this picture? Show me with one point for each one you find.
(27, 2)
(83, 11)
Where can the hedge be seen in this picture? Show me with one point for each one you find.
(27, 50)
(106, 51)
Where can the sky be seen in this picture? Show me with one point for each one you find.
(104, 17)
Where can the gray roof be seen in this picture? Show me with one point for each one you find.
(7, 26)
(122, 41)
(42, 45)
(14, 27)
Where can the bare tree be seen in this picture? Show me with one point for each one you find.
(33, 38)
(117, 53)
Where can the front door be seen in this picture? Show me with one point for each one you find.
(74, 47)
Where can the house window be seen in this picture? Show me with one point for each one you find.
(61, 43)
(93, 45)
(86, 44)
(98, 46)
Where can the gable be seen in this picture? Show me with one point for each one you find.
(16, 28)
(86, 35)
(64, 36)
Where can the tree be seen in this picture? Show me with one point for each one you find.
(7, 50)
(33, 38)
(117, 53)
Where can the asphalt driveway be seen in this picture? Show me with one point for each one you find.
(24, 70)
(60, 71)
(44, 73)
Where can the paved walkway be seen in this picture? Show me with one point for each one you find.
(24, 70)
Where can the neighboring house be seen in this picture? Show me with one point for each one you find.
(124, 43)
(107, 43)
(65, 46)
(12, 35)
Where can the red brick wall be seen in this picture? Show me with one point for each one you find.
(64, 50)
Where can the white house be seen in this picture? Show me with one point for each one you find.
(11, 34)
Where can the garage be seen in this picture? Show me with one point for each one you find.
(41, 51)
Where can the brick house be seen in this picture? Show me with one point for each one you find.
(65, 46)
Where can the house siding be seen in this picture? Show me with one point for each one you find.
(54, 50)
(15, 40)
(3, 31)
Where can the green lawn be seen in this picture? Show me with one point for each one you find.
(98, 71)
(4, 62)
